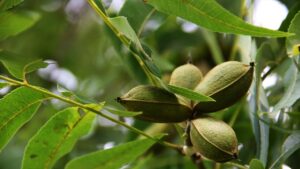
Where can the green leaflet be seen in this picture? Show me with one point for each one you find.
(113, 158)
(56, 138)
(290, 145)
(136, 12)
(16, 108)
(261, 130)
(291, 83)
(13, 23)
(18, 66)
(211, 15)
(190, 94)
(122, 25)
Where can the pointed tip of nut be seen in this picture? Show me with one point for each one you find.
(118, 99)
(235, 156)
(252, 64)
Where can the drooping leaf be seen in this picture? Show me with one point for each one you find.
(135, 46)
(190, 94)
(18, 65)
(113, 158)
(293, 41)
(263, 56)
(290, 83)
(56, 138)
(256, 164)
(122, 29)
(13, 23)
(211, 15)
(16, 108)
(259, 103)
(136, 12)
(6, 4)
(264, 140)
(123, 113)
(290, 145)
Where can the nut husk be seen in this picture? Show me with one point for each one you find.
(226, 83)
(214, 139)
(157, 105)
(187, 76)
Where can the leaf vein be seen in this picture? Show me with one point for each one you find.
(17, 113)
(220, 21)
(60, 143)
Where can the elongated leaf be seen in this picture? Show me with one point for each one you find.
(124, 27)
(136, 12)
(256, 164)
(190, 94)
(123, 30)
(6, 4)
(113, 158)
(123, 113)
(18, 65)
(290, 79)
(290, 101)
(211, 15)
(255, 124)
(290, 145)
(136, 47)
(294, 40)
(16, 108)
(56, 138)
(13, 23)
(264, 140)
(263, 56)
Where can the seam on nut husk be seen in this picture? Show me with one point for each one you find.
(249, 69)
(206, 139)
(156, 102)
